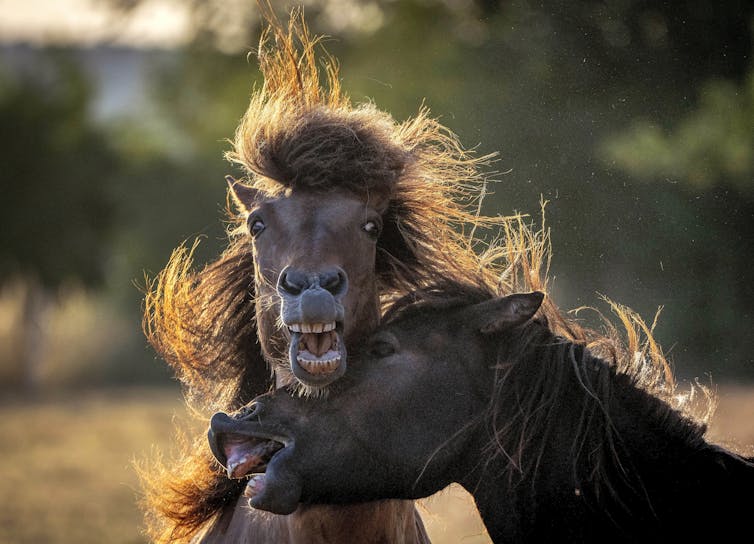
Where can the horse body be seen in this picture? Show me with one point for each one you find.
(643, 474)
(316, 291)
(554, 443)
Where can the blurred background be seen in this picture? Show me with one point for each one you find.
(634, 119)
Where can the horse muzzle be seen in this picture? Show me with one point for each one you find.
(312, 310)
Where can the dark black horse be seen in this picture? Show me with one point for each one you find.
(555, 444)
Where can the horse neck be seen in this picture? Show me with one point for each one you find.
(562, 395)
(602, 452)
(370, 523)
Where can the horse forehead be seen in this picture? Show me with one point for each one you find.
(316, 211)
(309, 230)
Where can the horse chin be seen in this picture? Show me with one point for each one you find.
(316, 372)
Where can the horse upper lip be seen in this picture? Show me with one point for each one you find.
(312, 327)
(224, 424)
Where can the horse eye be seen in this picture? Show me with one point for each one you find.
(256, 226)
(372, 229)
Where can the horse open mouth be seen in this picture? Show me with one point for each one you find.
(317, 352)
(245, 454)
(239, 451)
(242, 448)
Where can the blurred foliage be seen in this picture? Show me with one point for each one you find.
(632, 117)
(711, 145)
(55, 204)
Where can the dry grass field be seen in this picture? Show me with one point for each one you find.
(66, 465)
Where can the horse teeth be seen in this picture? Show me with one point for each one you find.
(312, 327)
(254, 486)
(319, 367)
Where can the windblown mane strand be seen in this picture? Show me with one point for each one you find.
(184, 494)
(203, 325)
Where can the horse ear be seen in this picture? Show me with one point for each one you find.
(503, 313)
(244, 196)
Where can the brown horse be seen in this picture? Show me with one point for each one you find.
(554, 443)
(342, 209)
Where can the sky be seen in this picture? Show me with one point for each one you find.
(158, 23)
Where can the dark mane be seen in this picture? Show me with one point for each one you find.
(534, 372)
(444, 294)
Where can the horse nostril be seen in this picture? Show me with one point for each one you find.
(250, 410)
(294, 282)
(291, 281)
(334, 281)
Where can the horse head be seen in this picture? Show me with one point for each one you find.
(314, 256)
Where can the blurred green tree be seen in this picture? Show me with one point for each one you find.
(56, 207)
(711, 145)
(707, 159)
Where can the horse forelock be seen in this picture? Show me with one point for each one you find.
(320, 149)
(301, 132)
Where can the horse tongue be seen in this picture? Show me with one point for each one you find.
(244, 455)
(318, 343)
